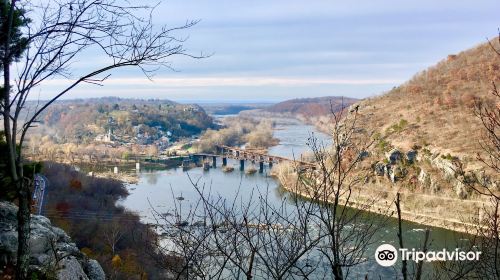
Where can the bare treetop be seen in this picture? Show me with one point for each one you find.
(122, 35)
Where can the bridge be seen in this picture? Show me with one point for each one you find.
(253, 156)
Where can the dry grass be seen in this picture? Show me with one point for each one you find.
(437, 105)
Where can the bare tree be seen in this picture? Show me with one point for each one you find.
(55, 34)
(332, 188)
(484, 236)
(252, 237)
(418, 271)
(488, 226)
(404, 267)
(112, 234)
(240, 238)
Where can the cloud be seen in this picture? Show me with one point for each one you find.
(232, 81)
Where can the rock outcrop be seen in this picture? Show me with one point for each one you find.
(393, 156)
(53, 254)
(448, 167)
(411, 156)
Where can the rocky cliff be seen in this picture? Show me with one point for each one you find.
(53, 254)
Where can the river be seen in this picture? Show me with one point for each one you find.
(159, 189)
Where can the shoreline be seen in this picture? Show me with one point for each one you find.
(385, 203)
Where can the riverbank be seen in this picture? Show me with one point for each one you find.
(129, 178)
(441, 212)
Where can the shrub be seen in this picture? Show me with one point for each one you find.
(449, 157)
(383, 145)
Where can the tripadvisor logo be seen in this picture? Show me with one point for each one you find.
(387, 255)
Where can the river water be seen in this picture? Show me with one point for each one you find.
(159, 189)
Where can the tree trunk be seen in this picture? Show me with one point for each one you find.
(404, 269)
(15, 167)
(23, 229)
(337, 272)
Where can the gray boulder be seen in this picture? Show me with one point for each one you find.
(71, 269)
(94, 271)
(47, 245)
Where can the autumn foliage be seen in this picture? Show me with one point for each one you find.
(85, 207)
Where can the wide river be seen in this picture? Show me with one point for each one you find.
(159, 189)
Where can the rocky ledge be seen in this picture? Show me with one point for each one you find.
(53, 254)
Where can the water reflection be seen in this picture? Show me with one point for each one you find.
(162, 189)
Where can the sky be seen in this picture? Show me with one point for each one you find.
(273, 50)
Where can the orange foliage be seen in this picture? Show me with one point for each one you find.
(116, 261)
(75, 184)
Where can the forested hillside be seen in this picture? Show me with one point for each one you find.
(86, 208)
(80, 121)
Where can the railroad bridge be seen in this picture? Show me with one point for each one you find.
(253, 156)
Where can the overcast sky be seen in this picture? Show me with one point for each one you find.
(273, 50)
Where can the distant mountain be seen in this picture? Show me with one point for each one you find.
(230, 108)
(311, 107)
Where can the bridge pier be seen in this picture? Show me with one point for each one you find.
(214, 161)
(243, 155)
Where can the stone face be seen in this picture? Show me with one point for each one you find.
(392, 175)
(424, 178)
(363, 155)
(394, 156)
(411, 156)
(446, 166)
(379, 169)
(461, 190)
(434, 186)
(396, 172)
(387, 170)
(45, 241)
